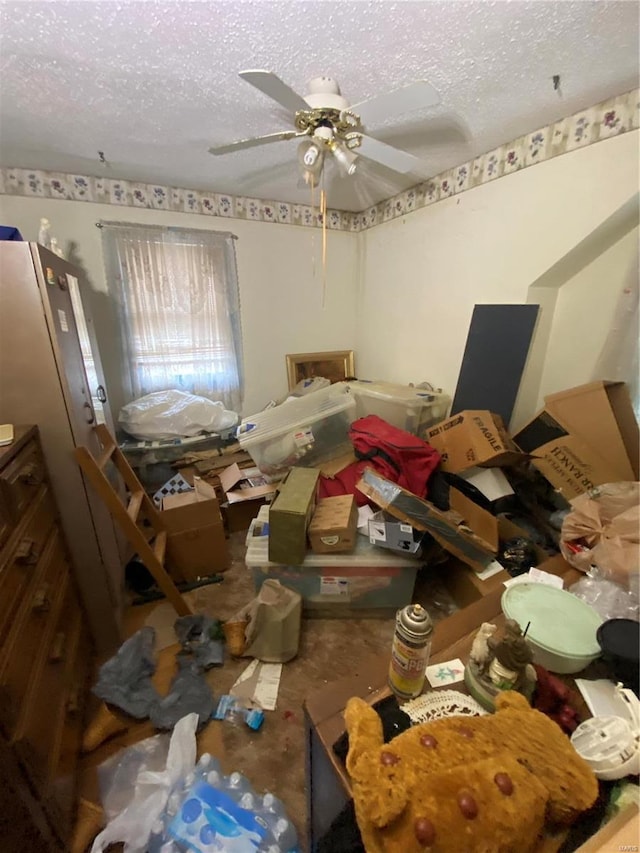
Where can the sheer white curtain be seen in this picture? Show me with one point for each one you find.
(177, 293)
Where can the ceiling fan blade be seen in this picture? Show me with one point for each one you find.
(253, 142)
(392, 158)
(271, 85)
(415, 96)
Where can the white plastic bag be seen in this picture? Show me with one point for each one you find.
(152, 789)
(172, 414)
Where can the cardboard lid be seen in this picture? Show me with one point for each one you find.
(601, 414)
(234, 475)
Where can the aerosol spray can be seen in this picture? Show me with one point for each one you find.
(410, 651)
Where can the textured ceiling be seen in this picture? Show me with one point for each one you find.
(154, 84)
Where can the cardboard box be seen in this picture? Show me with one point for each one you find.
(245, 491)
(466, 586)
(466, 530)
(584, 437)
(333, 527)
(387, 532)
(473, 438)
(196, 544)
(290, 515)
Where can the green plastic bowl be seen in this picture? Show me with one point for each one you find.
(562, 628)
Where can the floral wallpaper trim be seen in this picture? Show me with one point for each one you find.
(609, 118)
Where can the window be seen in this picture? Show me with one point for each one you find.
(177, 293)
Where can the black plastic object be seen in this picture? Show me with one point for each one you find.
(137, 576)
(619, 640)
(518, 555)
(394, 722)
(494, 358)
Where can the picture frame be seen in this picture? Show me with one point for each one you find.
(334, 366)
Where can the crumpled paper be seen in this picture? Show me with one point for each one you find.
(606, 523)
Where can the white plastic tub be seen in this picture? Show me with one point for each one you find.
(367, 579)
(302, 432)
(408, 408)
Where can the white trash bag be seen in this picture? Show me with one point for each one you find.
(174, 414)
(133, 825)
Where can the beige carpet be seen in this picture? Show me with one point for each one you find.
(273, 759)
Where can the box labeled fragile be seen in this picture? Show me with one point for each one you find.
(473, 438)
(333, 527)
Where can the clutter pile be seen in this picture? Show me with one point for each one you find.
(347, 492)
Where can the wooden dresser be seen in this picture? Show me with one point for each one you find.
(45, 651)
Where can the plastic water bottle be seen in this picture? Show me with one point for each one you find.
(248, 801)
(237, 785)
(215, 779)
(282, 830)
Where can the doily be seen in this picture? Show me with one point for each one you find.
(442, 703)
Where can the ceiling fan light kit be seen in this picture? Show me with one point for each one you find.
(334, 125)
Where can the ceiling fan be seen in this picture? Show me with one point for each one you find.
(329, 126)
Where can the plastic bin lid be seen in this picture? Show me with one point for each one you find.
(559, 622)
(295, 414)
(395, 393)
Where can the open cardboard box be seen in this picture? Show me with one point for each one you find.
(473, 438)
(466, 530)
(245, 491)
(584, 437)
(196, 544)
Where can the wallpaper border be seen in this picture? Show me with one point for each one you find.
(608, 118)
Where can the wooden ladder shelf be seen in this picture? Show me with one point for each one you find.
(150, 542)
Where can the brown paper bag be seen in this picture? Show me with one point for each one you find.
(273, 630)
(603, 530)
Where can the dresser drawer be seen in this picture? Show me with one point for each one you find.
(22, 558)
(7, 518)
(61, 797)
(39, 609)
(39, 731)
(20, 480)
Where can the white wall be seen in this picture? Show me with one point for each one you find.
(422, 274)
(279, 271)
(584, 312)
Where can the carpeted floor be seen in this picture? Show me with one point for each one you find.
(273, 759)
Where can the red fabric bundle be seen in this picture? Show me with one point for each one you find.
(394, 453)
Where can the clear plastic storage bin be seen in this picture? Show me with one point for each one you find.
(301, 432)
(334, 585)
(408, 408)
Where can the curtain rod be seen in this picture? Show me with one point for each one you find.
(101, 223)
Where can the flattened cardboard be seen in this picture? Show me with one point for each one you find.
(470, 438)
(333, 466)
(450, 529)
(290, 515)
(196, 544)
(333, 527)
(584, 437)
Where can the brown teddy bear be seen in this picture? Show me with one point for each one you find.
(465, 784)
